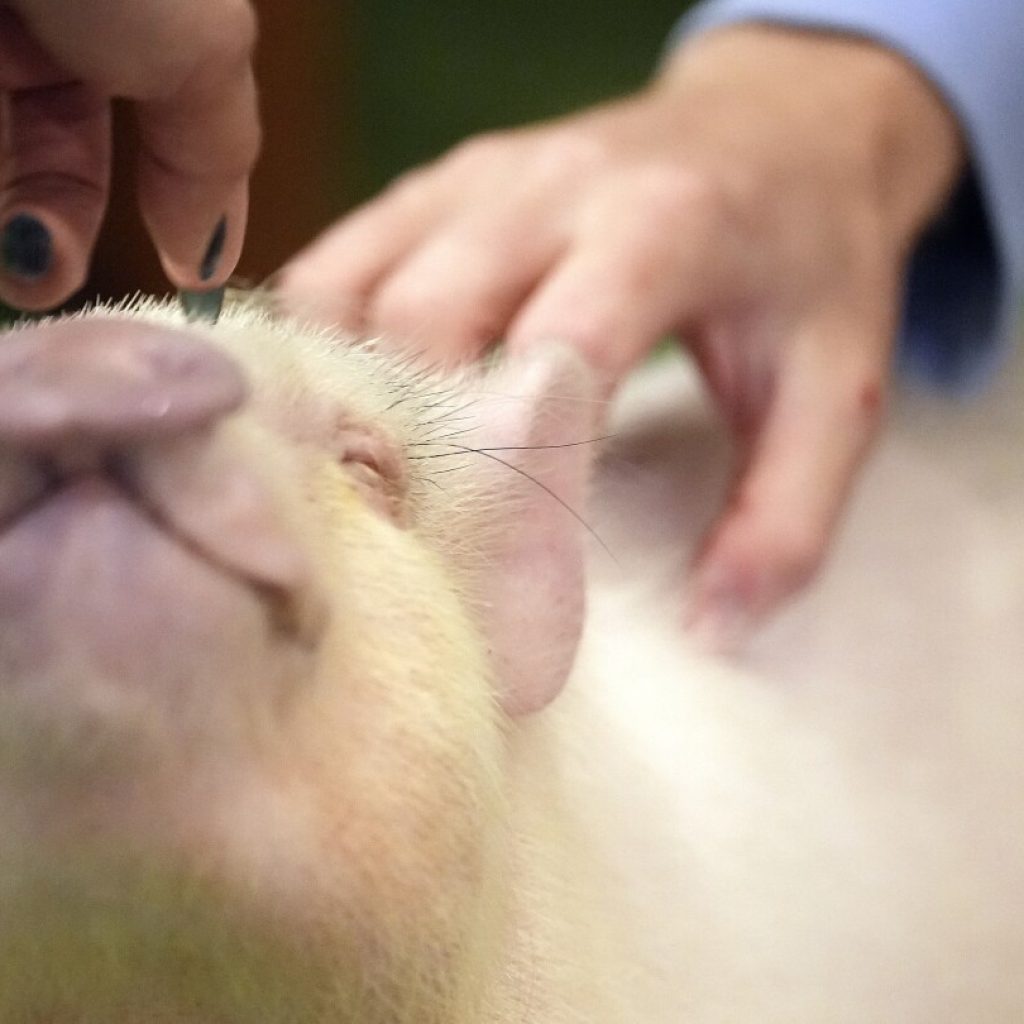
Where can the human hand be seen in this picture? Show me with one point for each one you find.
(185, 65)
(759, 200)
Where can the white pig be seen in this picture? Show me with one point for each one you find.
(258, 659)
(277, 635)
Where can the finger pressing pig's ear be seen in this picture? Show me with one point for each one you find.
(540, 410)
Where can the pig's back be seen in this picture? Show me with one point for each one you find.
(827, 828)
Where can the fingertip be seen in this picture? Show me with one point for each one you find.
(722, 599)
(333, 278)
(200, 245)
(579, 315)
(717, 624)
(749, 568)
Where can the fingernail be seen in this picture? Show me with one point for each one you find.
(201, 306)
(214, 250)
(27, 247)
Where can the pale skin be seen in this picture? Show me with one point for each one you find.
(759, 200)
(185, 67)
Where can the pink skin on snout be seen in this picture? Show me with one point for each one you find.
(109, 381)
(114, 483)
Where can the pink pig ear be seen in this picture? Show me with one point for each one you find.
(539, 407)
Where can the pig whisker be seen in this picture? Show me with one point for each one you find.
(405, 395)
(432, 399)
(457, 415)
(448, 412)
(505, 396)
(506, 448)
(435, 437)
(489, 454)
(433, 482)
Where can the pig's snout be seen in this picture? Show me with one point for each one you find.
(72, 383)
(131, 411)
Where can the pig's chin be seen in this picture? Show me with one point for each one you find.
(115, 624)
(68, 537)
(165, 860)
(90, 532)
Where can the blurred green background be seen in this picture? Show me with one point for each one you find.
(424, 76)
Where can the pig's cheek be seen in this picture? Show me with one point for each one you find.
(403, 681)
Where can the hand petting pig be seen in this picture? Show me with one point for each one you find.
(759, 200)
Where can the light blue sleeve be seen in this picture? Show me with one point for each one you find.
(967, 275)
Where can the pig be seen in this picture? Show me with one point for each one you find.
(269, 602)
(283, 621)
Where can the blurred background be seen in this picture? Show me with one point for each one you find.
(354, 93)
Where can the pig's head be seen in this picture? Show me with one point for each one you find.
(264, 620)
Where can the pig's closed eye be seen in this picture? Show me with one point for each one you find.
(377, 470)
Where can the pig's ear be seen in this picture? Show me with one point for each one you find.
(539, 409)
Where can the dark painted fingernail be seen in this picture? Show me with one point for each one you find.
(201, 306)
(214, 250)
(27, 247)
